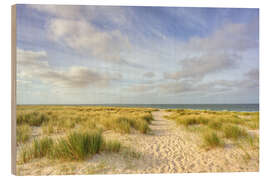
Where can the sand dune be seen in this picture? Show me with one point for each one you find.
(167, 149)
(172, 150)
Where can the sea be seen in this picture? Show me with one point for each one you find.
(214, 107)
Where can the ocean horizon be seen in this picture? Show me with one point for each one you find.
(214, 107)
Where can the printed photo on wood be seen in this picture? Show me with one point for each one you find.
(134, 89)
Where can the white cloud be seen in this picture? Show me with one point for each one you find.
(215, 86)
(33, 66)
(198, 67)
(253, 74)
(149, 74)
(230, 37)
(32, 58)
(250, 81)
(87, 39)
(140, 88)
(73, 26)
(201, 59)
(219, 51)
(64, 11)
(112, 14)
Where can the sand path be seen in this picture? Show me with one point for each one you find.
(165, 149)
(170, 149)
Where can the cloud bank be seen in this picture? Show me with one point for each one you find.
(136, 54)
(33, 65)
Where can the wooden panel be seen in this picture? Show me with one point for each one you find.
(13, 90)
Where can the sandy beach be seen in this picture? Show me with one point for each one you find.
(166, 149)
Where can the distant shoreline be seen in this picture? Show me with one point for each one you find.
(212, 107)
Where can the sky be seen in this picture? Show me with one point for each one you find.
(137, 55)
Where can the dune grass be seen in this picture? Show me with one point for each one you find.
(141, 125)
(211, 140)
(23, 133)
(48, 128)
(75, 132)
(31, 118)
(124, 124)
(37, 149)
(77, 146)
(192, 120)
(41, 147)
(234, 132)
(62, 119)
(148, 118)
(213, 126)
(111, 146)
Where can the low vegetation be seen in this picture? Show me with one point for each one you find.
(212, 140)
(23, 133)
(75, 146)
(37, 149)
(216, 127)
(57, 119)
(74, 133)
(32, 118)
(111, 146)
(234, 132)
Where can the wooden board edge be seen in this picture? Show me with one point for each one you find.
(13, 90)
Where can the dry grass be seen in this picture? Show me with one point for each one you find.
(57, 119)
(221, 124)
(37, 149)
(75, 132)
(31, 118)
(77, 146)
(211, 140)
(23, 133)
(234, 132)
(111, 146)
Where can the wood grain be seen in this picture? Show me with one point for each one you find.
(13, 89)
